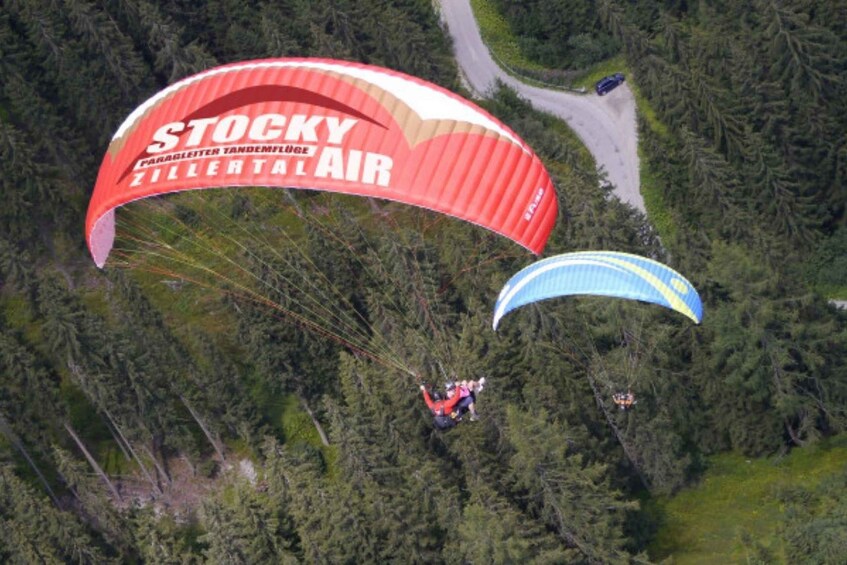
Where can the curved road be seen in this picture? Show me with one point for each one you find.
(606, 125)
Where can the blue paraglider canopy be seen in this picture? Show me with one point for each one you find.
(600, 273)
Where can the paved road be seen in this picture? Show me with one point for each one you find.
(605, 124)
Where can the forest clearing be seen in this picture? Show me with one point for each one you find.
(226, 311)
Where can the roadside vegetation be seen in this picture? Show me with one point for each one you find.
(758, 509)
(148, 415)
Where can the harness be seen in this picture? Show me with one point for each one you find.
(443, 422)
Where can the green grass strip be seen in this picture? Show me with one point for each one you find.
(739, 497)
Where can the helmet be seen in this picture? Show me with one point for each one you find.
(450, 385)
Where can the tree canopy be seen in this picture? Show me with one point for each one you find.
(150, 412)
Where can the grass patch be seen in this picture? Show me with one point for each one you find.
(498, 37)
(186, 305)
(608, 67)
(649, 178)
(288, 418)
(833, 292)
(505, 50)
(654, 199)
(738, 499)
(296, 424)
(96, 302)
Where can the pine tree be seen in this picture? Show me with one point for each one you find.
(95, 501)
(285, 28)
(768, 346)
(569, 494)
(159, 539)
(174, 58)
(34, 531)
(801, 52)
(326, 516)
(715, 185)
(813, 522)
(494, 531)
(243, 528)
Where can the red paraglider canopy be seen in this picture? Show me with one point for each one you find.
(325, 125)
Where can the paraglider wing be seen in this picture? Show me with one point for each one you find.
(325, 125)
(600, 273)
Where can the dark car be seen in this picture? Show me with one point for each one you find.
(609, 83)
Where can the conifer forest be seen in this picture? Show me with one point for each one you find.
(241, 382)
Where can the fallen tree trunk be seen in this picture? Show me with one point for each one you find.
(93, 463)
(315, 421)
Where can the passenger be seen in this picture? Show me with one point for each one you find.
(467, 395)
(624, 400)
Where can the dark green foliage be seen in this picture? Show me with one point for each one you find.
(111, 367)
(560, 34)
(290, 348)
(243, 528)
(33, 531)
(162, 540)
(95, 505)
(25, 376)
(815, 522)
(567, 492)
(774, 351)
(760, 83)
(493, 531)
(751, 161)
(827, 267)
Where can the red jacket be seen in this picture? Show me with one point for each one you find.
(442, 407)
